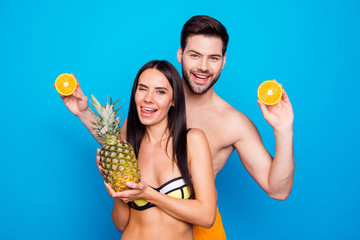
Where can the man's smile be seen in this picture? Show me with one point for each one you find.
(200, 77)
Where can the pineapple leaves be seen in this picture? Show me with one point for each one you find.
(117, 110)
(107, 125)
(115, 102)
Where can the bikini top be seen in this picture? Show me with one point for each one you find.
(175, 188)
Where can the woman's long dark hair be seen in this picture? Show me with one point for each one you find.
(135, 130)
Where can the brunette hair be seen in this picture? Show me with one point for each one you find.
(135, 130)
(204, 25)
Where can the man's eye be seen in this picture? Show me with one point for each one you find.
(194, 55)
(214, 59)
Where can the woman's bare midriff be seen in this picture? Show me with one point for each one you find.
(155, 224)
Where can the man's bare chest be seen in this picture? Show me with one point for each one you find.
(221, 146)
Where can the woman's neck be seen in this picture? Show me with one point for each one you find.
(156, 133)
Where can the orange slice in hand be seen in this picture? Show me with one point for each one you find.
(269, 92)
(65, 84)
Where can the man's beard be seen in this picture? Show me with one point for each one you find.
(196, 89)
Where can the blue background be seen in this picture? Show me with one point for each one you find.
(50, 186)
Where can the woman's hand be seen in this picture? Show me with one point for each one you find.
(137, 191)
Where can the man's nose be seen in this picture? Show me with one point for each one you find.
(203, 64)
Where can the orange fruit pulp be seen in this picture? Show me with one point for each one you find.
(65, 84)
(269, 92)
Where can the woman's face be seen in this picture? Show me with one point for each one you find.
(153, 97)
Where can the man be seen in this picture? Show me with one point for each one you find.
(203, 55)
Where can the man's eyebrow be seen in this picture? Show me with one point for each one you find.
(211, 55)
(193, 51)
(216, 55)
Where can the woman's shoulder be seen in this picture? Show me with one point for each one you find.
(195, 134)
(197, 145)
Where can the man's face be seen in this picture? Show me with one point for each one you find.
(202, 62)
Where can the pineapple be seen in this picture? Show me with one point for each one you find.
(117, 158)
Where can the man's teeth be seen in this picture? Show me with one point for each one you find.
(202, 77)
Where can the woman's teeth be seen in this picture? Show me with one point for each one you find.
(149, 109)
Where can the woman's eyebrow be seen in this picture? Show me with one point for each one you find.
(161, 88)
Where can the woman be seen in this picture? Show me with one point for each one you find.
(177, 184)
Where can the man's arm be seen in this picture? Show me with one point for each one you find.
(274, 175)
(77, 103)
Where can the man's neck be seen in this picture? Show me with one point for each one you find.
(198, 100)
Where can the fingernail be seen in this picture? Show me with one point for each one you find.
(129, 184)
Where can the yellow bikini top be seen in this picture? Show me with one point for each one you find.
(175, 188)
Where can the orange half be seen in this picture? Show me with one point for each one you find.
(65, 84)
(269, 92)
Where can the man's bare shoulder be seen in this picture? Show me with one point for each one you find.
(223, 124)
(234, 124)
(229, 113)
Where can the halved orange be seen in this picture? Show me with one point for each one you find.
(65, 84)
(269, 92)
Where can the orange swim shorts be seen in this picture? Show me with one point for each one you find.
(216, 232)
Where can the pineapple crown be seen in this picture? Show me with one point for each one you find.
(106, 128)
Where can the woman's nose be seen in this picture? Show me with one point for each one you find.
(149, 97)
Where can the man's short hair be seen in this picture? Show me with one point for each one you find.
(204, 25)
